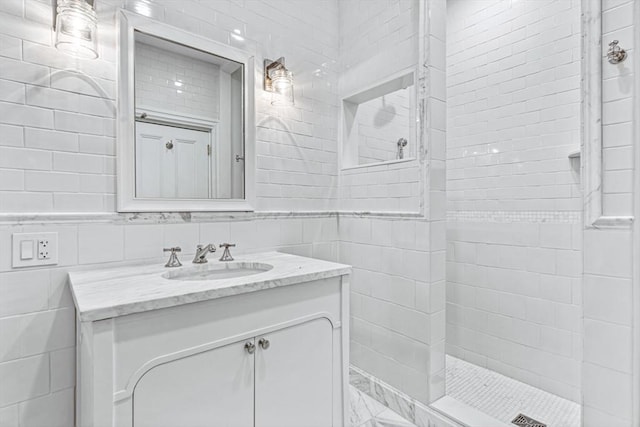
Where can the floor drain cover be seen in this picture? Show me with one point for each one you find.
(524, 421)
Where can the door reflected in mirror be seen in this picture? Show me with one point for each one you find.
(189, 124)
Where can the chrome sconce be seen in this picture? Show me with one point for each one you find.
(76, 25)
(279, 81)
(616, 54)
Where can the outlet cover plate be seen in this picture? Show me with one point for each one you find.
(35, 238)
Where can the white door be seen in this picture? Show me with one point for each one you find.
(172, 162)
(213, 388)
(294, 377)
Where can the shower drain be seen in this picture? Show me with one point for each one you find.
(524, 421)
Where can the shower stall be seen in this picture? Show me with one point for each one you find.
(514, 208)
(499, 144)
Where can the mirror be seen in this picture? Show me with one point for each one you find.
(379, 123)
(189, 141)
(185, 125)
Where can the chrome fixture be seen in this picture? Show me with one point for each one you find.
(264, 343)
(616, 54)
(522, 420)
(173, 258)
(402, 142)
(201, 253)
(239, 158)
(250, 347)
(76, 26)
(226, 255)
(279, 81)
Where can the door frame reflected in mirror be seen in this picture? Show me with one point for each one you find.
(129, 23)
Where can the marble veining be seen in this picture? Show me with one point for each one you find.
(118, 291)
(367, 412)
(396, 402)
(18, 219)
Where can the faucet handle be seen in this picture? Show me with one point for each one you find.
(226, 255)
(173, 258)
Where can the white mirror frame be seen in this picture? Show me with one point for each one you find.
(127, 202)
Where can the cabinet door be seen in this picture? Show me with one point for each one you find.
(294, 377)
(213, 388)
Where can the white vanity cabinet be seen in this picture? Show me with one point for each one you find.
(231, 386)
(273, 354)
(196, 390)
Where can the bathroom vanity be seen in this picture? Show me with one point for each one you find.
(259, 341)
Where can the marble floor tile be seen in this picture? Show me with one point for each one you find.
(367, 412)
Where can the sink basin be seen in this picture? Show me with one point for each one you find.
(218, 271)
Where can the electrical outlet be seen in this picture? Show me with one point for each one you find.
(33, 249)
(43, 249)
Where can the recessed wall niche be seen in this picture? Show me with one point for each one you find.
(379, 123)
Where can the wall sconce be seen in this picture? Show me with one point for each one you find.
(76, 25)
(279, 81)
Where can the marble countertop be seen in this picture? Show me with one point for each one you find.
(118, 291)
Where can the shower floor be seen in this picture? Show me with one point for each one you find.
(504, 398)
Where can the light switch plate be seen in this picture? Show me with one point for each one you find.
(33, 249)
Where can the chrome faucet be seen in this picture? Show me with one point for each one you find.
(201, 253)
(402, 142)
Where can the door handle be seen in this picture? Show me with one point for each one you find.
(264, 343)
(250, 347)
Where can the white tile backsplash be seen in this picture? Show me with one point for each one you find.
(24, 379)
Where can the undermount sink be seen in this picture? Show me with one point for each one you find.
(218, 271)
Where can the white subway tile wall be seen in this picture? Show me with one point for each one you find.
(514, 298)
(514, 239)
(397, 312)
(398, 283)
(174, 82)
(617, 110)
(513, 105)
(608, 297)
(378, 38)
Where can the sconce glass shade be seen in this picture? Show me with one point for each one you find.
(76, 27)
(282, 86)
